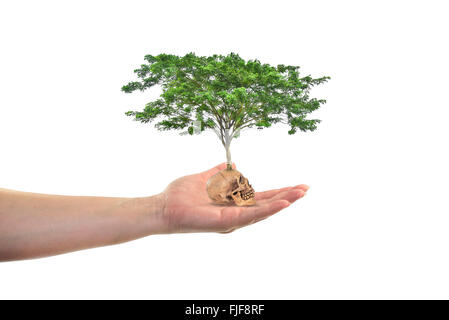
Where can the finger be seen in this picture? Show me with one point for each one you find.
(263, 195)
(302, 186)
(271, 193)
(228, 231)
(290, 195)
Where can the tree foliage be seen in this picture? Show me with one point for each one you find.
(225, 94)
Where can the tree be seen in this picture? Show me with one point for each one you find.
(225, 94)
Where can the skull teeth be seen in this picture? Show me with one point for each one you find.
(247, 195)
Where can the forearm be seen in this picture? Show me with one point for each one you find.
(35, 225)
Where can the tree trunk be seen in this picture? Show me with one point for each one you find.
(228, 150)
(228, 158)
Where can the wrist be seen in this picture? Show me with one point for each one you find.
(151, 211)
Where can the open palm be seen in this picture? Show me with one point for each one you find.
(188, 208)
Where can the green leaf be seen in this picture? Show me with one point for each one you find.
(219, 90)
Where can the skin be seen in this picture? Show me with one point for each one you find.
(34, 225)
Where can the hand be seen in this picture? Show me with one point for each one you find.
(187, 207)
(36, 225)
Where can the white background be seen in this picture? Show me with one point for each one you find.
(375, 221)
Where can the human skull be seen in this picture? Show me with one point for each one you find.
(230, 186)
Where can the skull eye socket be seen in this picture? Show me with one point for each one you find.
(241, 179)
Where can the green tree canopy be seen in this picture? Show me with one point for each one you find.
(225, 94)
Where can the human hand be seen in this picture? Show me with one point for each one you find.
(35, 225)
(187, 207)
